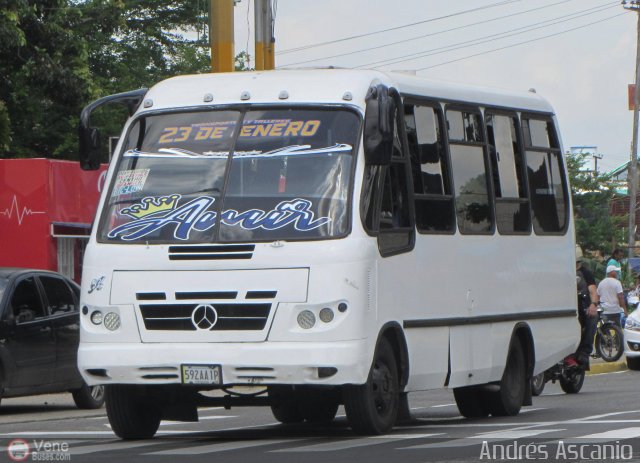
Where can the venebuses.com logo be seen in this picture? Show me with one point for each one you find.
(18, 450)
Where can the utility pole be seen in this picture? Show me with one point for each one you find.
(265, 39)
(221, 35)
(632, 176)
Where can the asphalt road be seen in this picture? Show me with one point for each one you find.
(602, 423)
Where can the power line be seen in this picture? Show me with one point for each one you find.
(368, 34)
(520, 43)
(429, 35)
(488, 38)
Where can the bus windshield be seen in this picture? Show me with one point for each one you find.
(233, 176)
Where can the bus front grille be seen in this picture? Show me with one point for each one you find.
(205, 316)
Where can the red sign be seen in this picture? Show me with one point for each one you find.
(36, 195)
(632, 96)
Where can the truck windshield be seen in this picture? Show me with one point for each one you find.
(233, 176)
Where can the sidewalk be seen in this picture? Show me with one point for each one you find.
(599, 366)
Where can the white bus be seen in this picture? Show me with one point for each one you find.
(328, 237)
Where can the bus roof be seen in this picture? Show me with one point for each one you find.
(325, 86)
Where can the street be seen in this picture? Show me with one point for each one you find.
(601, 423)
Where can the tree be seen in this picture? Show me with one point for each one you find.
(45, 75)
(596, 228)
(5, 128)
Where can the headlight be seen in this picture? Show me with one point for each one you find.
(306, 319)
(111, 321)
(96, 317)
(326, 315)
(632, 324)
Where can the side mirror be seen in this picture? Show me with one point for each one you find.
(89, 142)
(89, 148)
(378, 126)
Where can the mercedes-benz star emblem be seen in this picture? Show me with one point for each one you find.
(204, 317)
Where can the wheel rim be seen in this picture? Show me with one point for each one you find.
(538, 381)
(383, 388)
(97, 393)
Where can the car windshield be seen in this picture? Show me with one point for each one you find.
(229, 176)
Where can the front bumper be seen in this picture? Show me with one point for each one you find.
(631, 343)
(242, 363)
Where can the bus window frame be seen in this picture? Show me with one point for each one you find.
(478, 110)
(548, 118)
(513, 113)
(438, 107)
(242, 108)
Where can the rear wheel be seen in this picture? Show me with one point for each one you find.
(132, 413)
(633, 363)
(571, 382)
(537, 384)
(507, 400)
(471, 402)
(609, 342)
(372, 408)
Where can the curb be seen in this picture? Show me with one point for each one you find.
(607, 367)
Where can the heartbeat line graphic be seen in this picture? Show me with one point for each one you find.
(20, 213)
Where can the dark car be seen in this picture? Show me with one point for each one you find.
(39, 335)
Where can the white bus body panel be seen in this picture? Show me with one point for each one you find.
(444, 277)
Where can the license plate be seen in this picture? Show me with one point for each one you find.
(201, 374)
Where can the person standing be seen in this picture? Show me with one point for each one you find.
(612, 295)
(588, 301)
(615, 260)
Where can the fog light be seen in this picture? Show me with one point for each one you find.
(96, 317)
(326, 315)
(112, 321)
(306, 319)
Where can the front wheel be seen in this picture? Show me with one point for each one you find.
(537, 384)
(571, 382)
(633, 363)
(88, 397)
(372, 408)
(609, 342)
(132, 413)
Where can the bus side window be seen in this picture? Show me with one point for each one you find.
(512, 203)
(545, 172)
(474, 209)
(430, 169)
(385, 199)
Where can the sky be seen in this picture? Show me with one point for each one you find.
(578, 54)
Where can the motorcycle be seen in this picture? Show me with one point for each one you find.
(571, 378)
(608, 340)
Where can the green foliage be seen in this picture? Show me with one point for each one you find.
(45, 73)
(58, 55)
(596, 229)
(5, 127)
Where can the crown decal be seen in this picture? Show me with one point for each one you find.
(151, 206)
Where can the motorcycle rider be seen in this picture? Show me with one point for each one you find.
(588, 300)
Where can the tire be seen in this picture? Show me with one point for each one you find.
(633, 363)
(372, 408)
(132, 413)
(285, 405)
(320, 412)
(537, 384)
(507, 400)
(610, 342)
(571, 383)
(287, 413)
(88, 397)
(471, 402)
